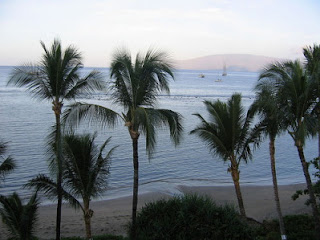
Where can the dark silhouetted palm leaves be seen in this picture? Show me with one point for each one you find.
(229, 134)
(7, 164)
(84, 176)
(135, 86)
(20, 219)
(56, 78)
(295, 97)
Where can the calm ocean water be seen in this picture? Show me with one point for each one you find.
(25, 123)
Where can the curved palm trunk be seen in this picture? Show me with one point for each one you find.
(87, 218)
(275, 187)
(135, 136)
(57, 106)
(315, 211)
(236, 177)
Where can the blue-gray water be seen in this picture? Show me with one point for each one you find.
(25, 123)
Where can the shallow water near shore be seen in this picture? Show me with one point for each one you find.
(25, 123)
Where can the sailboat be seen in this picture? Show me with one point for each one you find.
(224, 73)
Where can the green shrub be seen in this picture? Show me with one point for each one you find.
(298, 227)
(190, 217)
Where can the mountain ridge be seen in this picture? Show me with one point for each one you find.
(233, 62)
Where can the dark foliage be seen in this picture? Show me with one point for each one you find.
(298, 227)
(316, 186)
(190, 217)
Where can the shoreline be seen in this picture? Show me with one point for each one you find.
(111, 216)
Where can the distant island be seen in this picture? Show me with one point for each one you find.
(233, 62)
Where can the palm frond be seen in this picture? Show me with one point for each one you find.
(43, 184)
(209, 134)
(48, 186)
(19, 218)
(96, 114)
(33, 78)
(146, 120)
(88, 85)
(7, 166)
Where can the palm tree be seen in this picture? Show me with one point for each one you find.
(229, 134)
(135, 86)
(312, 55)
(84, 175)
(295, 96)
(8, 164)
(57, 78)
(270, 116)
(20, 219)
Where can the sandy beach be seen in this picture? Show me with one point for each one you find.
(111, 216)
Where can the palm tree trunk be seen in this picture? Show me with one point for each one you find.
(235, 177)
(135, 136)
(275, 188)
(315, 211)
(57, 106)
(319, 143)
(87, 219)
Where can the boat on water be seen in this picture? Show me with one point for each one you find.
(201, 75)
(218, 80)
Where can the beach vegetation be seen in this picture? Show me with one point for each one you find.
(229, 133)
(295, 97)
(19, 218)
(298, 227)
(7, 163)
(316, 186)
(135, 85)
(271, 120)
(56, 78)
(190, 217)
(85, 173)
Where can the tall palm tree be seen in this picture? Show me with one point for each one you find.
(312, 55)
(57, 78)
(229, 134)
(271, 120)
(295, 96)
(84, 175)
(8, 164)
(19, 218)
(135, 86)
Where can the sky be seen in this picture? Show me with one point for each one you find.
(184, 29)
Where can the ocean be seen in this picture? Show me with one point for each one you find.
(26, 121)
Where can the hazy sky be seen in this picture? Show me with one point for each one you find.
(184, 28)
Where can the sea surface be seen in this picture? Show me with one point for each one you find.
(26, 121)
